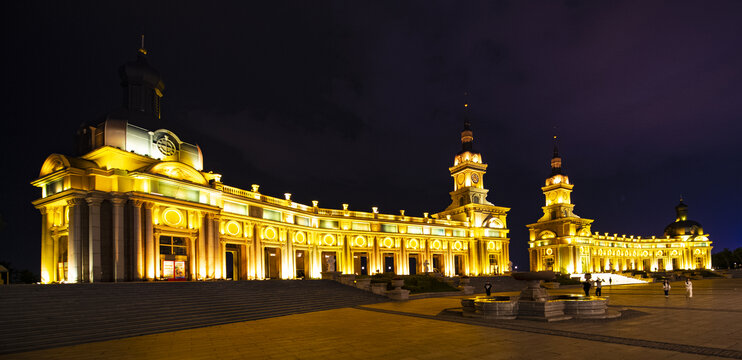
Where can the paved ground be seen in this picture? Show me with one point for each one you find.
(707, 326)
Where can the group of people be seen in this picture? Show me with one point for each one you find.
(587, 285)
(688, 288)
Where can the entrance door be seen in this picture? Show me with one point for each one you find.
(413, 263)
(229, 259)
(389, 263)
(437, 263)
(232, 262)
(458, 263)
(494, 267)
(301, 264)
(329, 261)
(173, 257)
(360, 263)
(272, 263)
(660, 264)
(675, 263)
(646, 265)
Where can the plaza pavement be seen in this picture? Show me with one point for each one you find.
(707, 326)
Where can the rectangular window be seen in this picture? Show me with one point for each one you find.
(271, 215)
(414, 229)
(361, 226)
(171, 245)
(390, 228)
(328, 224)
(235, 208)
(303, 221)
(491, 233)
(459, 233)
(438, 231)
(175, 191)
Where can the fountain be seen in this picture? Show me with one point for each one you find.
(534, 303)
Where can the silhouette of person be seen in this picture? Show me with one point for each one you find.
(488, 288)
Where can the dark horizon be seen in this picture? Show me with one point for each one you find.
(362, 103)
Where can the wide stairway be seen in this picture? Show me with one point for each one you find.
(43, 316)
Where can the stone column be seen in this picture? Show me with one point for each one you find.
(201, 248)
(74, 241)
(217, 253)
(156, 252)
(46, 274)
(119, 264)
(149, 242)
(138, 248)
(95, 267)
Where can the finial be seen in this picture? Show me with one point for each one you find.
(142, 49)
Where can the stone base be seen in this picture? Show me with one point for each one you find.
(398, 294)
(378, 288)
(542, 310)
(467, 290)
(330, 275)
(348, 279)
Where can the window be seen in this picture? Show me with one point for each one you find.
(459, 233)
(328, 224)
(361, 226)
(390, 228)
(414, 229)
(438, 231)
(171, 245)
(271, 215)
(303, 221)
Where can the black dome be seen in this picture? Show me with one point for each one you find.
(683, 226)
(140, 72)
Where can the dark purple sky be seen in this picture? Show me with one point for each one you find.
(360, 102)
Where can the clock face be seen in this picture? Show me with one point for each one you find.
(475, 178)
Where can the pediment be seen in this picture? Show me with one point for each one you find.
(178, 171)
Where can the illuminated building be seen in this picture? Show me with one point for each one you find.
(563, 242)
(136, 204)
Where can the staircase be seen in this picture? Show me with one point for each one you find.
(34, 317)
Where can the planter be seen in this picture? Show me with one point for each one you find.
(464, 281)
(378, 288)
(397, 284)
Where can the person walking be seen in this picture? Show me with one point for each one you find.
(586, 287)
(488, 288)
(666, 287)
(688, 288)
(598, 287)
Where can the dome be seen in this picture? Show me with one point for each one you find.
(140, 72)
(681, 225)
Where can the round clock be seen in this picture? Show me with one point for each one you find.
(475, 178)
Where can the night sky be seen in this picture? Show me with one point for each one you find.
(361, 102)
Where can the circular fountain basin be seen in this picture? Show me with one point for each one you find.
(585, 307)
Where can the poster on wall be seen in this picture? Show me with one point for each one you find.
(167, 269)
(180, 269)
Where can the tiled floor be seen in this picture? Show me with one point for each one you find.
(711, 320)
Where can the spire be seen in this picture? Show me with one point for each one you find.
(556, 161)
(142, 49)
(467, 136)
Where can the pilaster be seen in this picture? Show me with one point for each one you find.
(119, 267)
(95, 267)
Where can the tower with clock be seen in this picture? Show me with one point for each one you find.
(468, 172)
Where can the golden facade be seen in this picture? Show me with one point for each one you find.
(564, 242)
(137, 205)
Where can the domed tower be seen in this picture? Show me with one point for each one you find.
(143, 89)
(681, 225)
(468, 171)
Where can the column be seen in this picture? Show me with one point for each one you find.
(149, 242)
(290, 255)
(156, 252)
(74, 241)
(46, 258)
(119, 265)
(201, 248)
(138, 248)
(95, 267)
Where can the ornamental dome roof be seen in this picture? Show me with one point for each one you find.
(681, 225)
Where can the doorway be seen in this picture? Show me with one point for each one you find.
(301, 264)
(360, 263)
(438, 263)
(272, 263)
(232, 262)
(329, 261)
(660, 264)
(458, 263)
(413, 263)
(494, 268)
(389, 263)
(646, 265)
(62, 258)
(675, 263)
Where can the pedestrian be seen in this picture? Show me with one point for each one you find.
(488, 288)
(688, 288)
(586, 287)
(598, 287)
(666, 288)
(610, 281)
